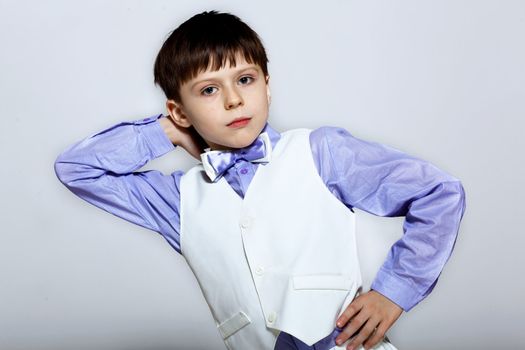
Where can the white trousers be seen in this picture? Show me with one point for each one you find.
(383, 345)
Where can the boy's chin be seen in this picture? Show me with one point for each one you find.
(233, 147)
(237, 144)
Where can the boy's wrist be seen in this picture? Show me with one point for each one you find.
(396, 289)
(157, 140)
(169, 129)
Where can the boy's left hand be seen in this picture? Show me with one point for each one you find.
(372, 314)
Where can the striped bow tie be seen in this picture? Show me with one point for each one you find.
(216, 162)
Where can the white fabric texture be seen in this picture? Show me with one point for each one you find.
(262, 257)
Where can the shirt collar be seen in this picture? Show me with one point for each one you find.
(274, 135)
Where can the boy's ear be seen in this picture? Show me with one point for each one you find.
(268, 94)
(177, 114)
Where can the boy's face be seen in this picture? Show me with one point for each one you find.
(214, 99)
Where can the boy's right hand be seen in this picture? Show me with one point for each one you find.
(183, 137)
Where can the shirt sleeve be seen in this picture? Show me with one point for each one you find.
(101, 170)
(384, 181)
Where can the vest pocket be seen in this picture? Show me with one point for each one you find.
(323, 281)
(233, 324)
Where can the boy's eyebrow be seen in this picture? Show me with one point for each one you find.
(253, 66)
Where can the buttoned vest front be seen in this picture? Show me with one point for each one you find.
(282, 259)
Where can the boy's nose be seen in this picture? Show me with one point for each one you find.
(233, 99)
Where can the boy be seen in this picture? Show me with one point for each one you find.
(266, 221)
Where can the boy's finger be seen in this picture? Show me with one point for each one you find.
(366, 331)
(373, 340)
(352, 328)
(352, 309)
(376, 337)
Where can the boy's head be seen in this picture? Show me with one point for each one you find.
(213, 70)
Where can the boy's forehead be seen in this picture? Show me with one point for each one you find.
(240, 62)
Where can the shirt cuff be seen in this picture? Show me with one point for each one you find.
(158, 142)
(396, 289)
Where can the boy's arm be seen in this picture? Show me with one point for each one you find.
(384, 181)
(100, 169)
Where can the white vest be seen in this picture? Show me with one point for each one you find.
(282, 259)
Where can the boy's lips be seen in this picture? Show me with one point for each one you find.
(239, 122)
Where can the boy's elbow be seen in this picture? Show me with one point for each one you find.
(67, 171)
(457, 193)
(61, 170)
(455, 188)
(74, 174)
(462, 197)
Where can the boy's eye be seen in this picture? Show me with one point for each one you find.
(208, 91)
(246, 79)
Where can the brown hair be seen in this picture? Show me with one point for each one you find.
(206, 36)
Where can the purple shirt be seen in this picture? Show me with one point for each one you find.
(366, 175)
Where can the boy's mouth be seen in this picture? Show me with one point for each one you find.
(242, 121)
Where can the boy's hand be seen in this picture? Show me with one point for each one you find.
(184, 137)
(372, 314)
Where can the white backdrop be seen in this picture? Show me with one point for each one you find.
(441, 80)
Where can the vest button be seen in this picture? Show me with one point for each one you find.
(259, 270)
(245, 222)
(271, 317)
